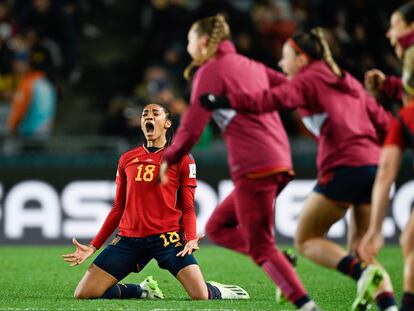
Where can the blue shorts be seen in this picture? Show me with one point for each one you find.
(125, 255)
(348, 184)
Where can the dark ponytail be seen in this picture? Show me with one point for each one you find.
(314, 45)
(407, 12)
(170, 131)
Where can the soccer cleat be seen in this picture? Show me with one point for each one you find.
(293, 259)
(150, 289)
(291, 256)
(367, 285)
(230, 291)
(310, 306)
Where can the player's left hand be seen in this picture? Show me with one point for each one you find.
(370, 245)
(163, 173)
(191, 246)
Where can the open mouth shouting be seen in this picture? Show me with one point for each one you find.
(149, 127)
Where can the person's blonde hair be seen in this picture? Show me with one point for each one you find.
(217, 30)
(327, 54)
(315, 47)
(408, 71)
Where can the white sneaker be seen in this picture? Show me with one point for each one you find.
(310, 306)
(367, 286)
(230, 291)
(150, 289)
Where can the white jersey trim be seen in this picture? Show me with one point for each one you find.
(315, 122)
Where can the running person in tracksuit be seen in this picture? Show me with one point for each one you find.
(399, 137)
(154, 222)
(258, 153)
(348, 125)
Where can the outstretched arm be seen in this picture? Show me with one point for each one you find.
(388, 168)
(377, 82)
(380, 117)
(289, 95)
(113, 218)
(81, 253)
(393, 88)
(188, 221)
(188, 218)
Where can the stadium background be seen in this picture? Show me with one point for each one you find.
(108, 58)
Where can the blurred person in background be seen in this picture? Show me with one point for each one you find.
(54, 25)
(258, 153)
(34, 104)
(274, 21)
(401, 37)
(154, 222)
(122, 118)
(8, 29)
(348, 125)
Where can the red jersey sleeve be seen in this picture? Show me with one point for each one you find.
(187, 191)
(115, 215)
(188, 218)
(188, 172)
(395, 134)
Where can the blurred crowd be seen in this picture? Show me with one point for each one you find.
(355, 30)
(38, 49)
(39, 41)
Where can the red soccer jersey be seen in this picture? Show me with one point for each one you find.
(142, 206)
(395, 134)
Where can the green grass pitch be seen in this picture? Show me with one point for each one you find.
(36, 278)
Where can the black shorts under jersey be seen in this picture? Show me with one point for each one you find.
(348, 184)
(125, 255)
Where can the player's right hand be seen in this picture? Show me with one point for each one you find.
(191, 246)
(81, 253)
(374, 80)
(370, 245)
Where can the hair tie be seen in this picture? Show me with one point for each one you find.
(297, 48)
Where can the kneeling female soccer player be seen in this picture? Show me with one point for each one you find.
(154, 221)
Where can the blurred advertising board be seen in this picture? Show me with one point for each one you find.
(51, 200)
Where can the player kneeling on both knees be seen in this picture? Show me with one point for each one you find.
(160, 225)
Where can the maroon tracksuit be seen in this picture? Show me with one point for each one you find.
(258, 156)
(346, 121)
